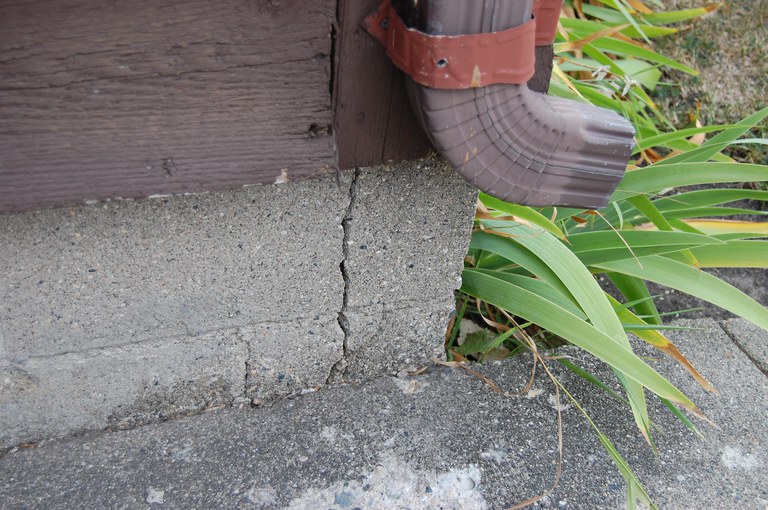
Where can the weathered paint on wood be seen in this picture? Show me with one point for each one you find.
(102, 99)
(374, 122)
(544, 64)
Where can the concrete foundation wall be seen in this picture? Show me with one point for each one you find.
(132, 311)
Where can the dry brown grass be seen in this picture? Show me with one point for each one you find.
(730, 48)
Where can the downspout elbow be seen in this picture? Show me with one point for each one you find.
(511, 142)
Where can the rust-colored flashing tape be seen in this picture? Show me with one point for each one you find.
(455, 62)
(547, 14)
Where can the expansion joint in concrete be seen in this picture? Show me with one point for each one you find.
(735, 340)
(339, 369)
(247, 363)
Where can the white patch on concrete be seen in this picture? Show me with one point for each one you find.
(396, 485)
(181, 455)
(262, 497)
(534, 392)
(410, 386)
(467, 327)
(558, 405)
(497, 456)
(155, 496)
(329, 434)
(734, 459)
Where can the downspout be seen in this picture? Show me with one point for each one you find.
(469, 62)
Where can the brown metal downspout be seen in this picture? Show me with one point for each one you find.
(507, 140)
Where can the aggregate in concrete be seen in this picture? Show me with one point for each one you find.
(316, 345)
(385, 338)
(119, 386)
(271, 268)
(408, 233)
(128, 271)
(441, 439)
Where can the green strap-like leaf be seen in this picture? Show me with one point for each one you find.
(609, 239)
(635, 290)
(520, 255)
(559, 321)
(663, 139)
(706, 212)
(538, 287)
(717, 143)
(683, 277)
(624, 48)
(523, 212)
(609, 245)
(707, 198)
(655, 178)
(667, 17)
(734, 254)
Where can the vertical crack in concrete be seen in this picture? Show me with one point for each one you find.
(247, 376)
(339, 369)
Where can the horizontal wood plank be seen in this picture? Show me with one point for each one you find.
(102, 99)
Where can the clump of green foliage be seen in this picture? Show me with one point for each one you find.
(532, 273)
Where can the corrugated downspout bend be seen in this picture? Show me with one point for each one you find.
(509, 141)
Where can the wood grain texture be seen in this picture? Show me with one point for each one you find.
(374, 122)
(544, 63)
(102, 99)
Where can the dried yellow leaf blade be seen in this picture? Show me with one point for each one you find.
(580, 43)
(714, 227)
(660, 342)
(639, 6)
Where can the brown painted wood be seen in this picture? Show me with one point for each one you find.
(544, 64)
(373, 122)
(102, 99)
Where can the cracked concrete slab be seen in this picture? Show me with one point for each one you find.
(286, 358)
(386, 338)
(406, 234)
(122, 272)
(442, 438)
(275, 267)
(751, 339)
(118, 387)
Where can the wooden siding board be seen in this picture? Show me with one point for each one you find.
(104, 99)
(374, 122)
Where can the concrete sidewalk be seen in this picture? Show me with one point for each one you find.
(441, 439)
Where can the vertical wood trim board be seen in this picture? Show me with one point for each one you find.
(374, 122)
